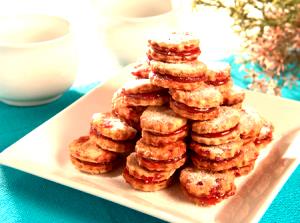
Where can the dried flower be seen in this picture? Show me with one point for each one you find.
(271, 39)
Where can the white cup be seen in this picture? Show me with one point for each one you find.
(38, 59)
(127, 25)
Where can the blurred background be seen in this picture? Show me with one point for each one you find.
(111, 34)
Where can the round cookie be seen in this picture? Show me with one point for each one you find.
(185, 70)
(234, 97)
(157, 139)
(173, 48)
(141, 173)
(228, 118)
(194, 113)
(217, 152)
(141, 92)
(206, 188)
(203, 97)
(174, 42)
(130, 114)
(247, 155)
(162, 120)
(250, 125)
(141, 69)
(139, 184)
(201, 104)
(90, 158)
(265, 135)
(162, 158)
(242, 171)
(217, 73)
(108, 125)
(112, 145)
(182, 83)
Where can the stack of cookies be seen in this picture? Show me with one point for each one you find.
(100, 152)
(159, 152)
(186, 118)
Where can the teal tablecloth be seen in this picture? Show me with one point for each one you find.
(27, 198)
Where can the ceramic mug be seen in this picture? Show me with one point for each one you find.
(38, 59)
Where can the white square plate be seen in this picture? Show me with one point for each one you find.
(44, 153)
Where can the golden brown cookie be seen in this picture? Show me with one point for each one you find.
(162, 120)
(164, 152)
(130, 114)
(141, 69)
(233, 97)
(173, 48)
(181, 83)
(227, 119)
(218, 72)
(139, 172)
(203, 97)
(108, 125)
(217, 138)
(265, 135)
(174, 42)
(250, 124)
(141, 93)
(157, 139)
(162, 158)
(206, 188)
(194, 113)
(92, 168)
(190, 69)
(161, 165)
(217, 152)
(248, 154)
(242, 171)
(90, 158)
(112, 145)
(142, 185)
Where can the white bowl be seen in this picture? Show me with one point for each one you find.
(38, 59)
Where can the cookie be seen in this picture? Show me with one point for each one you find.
(245, 157)
(108, 125)
(265, 135)
(87, 157)
(130, 114)
(217, 152)
(242, 171)
(227, 119)
(206, 188)
(141, 69)
(233, 97)
(139, 184)
(173, 48)
(200, 104)
(162, 158)
(157, 139)
(161, 120)
(203, 97)
(193, 113)
(250, 124)
(184, 70)
(218, 73)
(141, 93)
(182, 83)
(220, 130)
(112, 145)
(141, 173)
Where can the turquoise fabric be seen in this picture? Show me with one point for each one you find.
(27, 198)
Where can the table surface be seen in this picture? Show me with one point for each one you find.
(27, 198)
